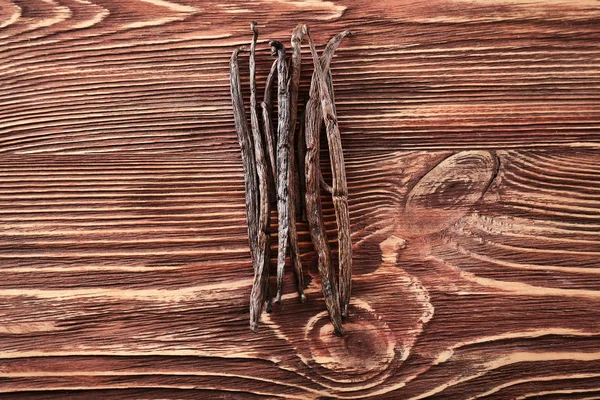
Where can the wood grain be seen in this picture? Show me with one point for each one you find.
(471, 138)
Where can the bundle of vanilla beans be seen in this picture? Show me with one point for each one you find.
(271, 170)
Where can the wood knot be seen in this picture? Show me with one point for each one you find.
(447, 192)
(364, 351)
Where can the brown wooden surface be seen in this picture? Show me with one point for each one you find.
(471, 132)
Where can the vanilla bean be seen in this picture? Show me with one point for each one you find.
(295, 252)
(261, 274)
(325, 185)
(246, 145)
(313, 121)
(267, 109)
(295, 71)
(293, 84)
(301, 150)
(340, 189)
(264, 163)
(294, 247)
(283, 161)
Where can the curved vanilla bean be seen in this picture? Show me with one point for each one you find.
(261, 274)
(267, 108)
(283, 161)
(325, 185)
(243, 133)
(313, 121)
(326, 58)
(340, 189)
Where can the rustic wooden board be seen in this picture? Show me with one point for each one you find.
(471, 132)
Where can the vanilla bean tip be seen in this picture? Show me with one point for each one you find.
(276, 46)
(298, 32)
(241, 49)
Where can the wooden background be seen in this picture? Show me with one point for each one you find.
(471, 132)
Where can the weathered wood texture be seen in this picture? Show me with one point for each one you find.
(471, 132)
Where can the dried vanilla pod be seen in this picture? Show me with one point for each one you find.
(294, 185)
(283, 160)
(247, 148)
(270, 165)
(285, 203)
(294, 86)
(340, 188)
(267, 109)
(314, 179)
(301, 150)
(263, 245)
(293, 239)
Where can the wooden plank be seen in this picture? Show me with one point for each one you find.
(127, 271)
(152, 76)
(471, 134)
